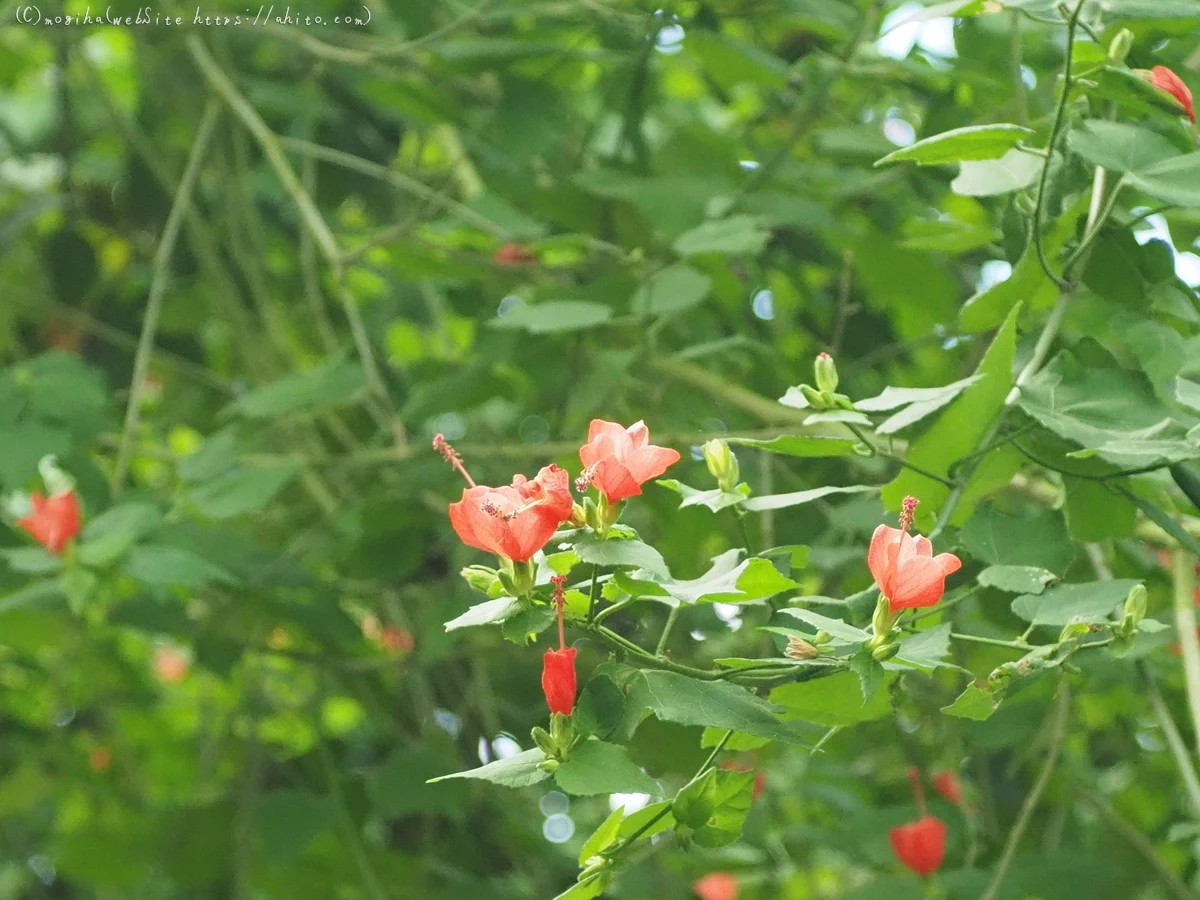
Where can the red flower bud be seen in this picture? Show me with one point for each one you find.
(53, 522)
(920, 845)
(716, 886)
(558, 680)
(947, 784)
(1164, 78)
(513, 255)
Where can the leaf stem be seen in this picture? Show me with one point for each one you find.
(1179, 750)
(666, 632)
(1012, 645)
(877, 451)
(1184, 575)
(593, 592)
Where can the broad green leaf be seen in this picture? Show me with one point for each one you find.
(617, 551)
(802, 445)
(1151, 9)
(782, 501)
(973, 703)
(686, 701)
(974, 142)
(243, 491)
(998, 539)
(1016, 579)
(737, 235)
(486, 613)
(834, 700)
(1119, 146)
(588, 889)
(1094, 513)
(336, 382)
(516, 771)
(894, 397)
(958, 431)
(841, 630)
(603, 837)
(595, 767)
(1067, 603)
(715, 499)
(1188, 393)
(729, 581)
(156, 564)
(869, 671)
(673, 289)
(1175, 181)
(108, 536)
(1113, 412)
(734, 797)
(927, 649)
(31, 560)
(553, 316)
(985, 178)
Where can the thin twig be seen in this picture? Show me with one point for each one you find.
(158, 287)
(1179, 750)
(1184, 573)
(1058, 734)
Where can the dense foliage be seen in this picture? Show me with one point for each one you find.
(398, 503)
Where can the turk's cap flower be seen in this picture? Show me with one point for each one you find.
(947, 784)
(1165, 79)
(906, 570)
(515, 521)
(920, 845)
(620, 460)
(716, 886)
(558, 680)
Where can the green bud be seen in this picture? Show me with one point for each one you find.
(883, 618)
(548, 765)
(843, 401)
(816, 400)
(823, 637)
(578, 515)
(544, 742)
(1025, 204)
(1135, 603)
(523, 577)
(594, 866)
(694, 804)
(722, 464)
(510, 586)
(480, 577)
(562, 732)
(1120, 46)
(826, 373)
(885, 652)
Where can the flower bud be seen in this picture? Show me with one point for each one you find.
(548, 765)
(826, 373)
(722, 464)
(1135, 603)
(816, 399)
(480, 577)
(823, 637)
(1120, 46)
(882, 619)
(578, 516)
(798, 648)
(523, 577)
(884, 652)
(544, 742)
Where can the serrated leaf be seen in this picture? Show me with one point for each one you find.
(686, 701)
(843, 631)
(486, 613)
(833, 700)
(796, 498)
(1040, 540)
(728, 581)
(974, 142)
(973, 703)
(617, 551)
(927, 649)
(516, 771)
(1016, 579)
(596, 767)
(870, 673)
(1066, 603)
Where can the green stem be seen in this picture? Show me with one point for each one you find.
(345, 823)
(876, 451)
(666, 632)
(949, 604)
(1179, 750)
(1184, 574)
(593, 593)
(616, 607)
(648, 658)
(1012, 645)
(741, 520)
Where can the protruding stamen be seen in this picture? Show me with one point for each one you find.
(560, 600)
(906, 512)
(491, 509)
(584, 481)
(450, 455)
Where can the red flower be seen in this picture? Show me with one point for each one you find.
(171, 664)
(513, 255)
(514, 521)
(920, 845)
(54, 522)
(558, 680)
(947, 784)
(396, 640)
(716, 886)
(620, 460)
(1163, 78)
(906, 570)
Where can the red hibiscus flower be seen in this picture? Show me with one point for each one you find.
(620, 460)
(514, 521)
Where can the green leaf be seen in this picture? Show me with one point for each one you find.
(524, 625)
(1119, 146)
(243, 491)
(673, 289)
(728, 581)
(1040, 540)
(1159, 517)
(686, 701)
(801, 445)
(833, 700)
(1188, 393)
(736, 235)
(31, 560)
(516, 771)
(618, 551)
(927, 649)
(1016, 579)
(286, 821)
(843, 631)
(1175, 181)
(1066, 603)
(1151, 9)
(595, 767)
(914, 403)
(1094, 513)
(959, 430)
(486, 613)
(870, 673)
(986, 178)
(1113, 412)
(973, 703)
(108, 536)
(554, 316)
(973, 142)
(782, 501)
(337, 382)
(603, 837)
(156, 564)
(657, 813)
(734, 797)
(716, 499)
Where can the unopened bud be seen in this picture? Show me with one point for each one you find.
(562, 731)
(816, 400)
(823, 637)
(722, 464)
(480, 577)
(881, 621)
(549, 765)
(1135, 603)
(544, 742)
(826, 373)
(1120, 46)
(578, 516)
(798, 648)
(885, 652)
